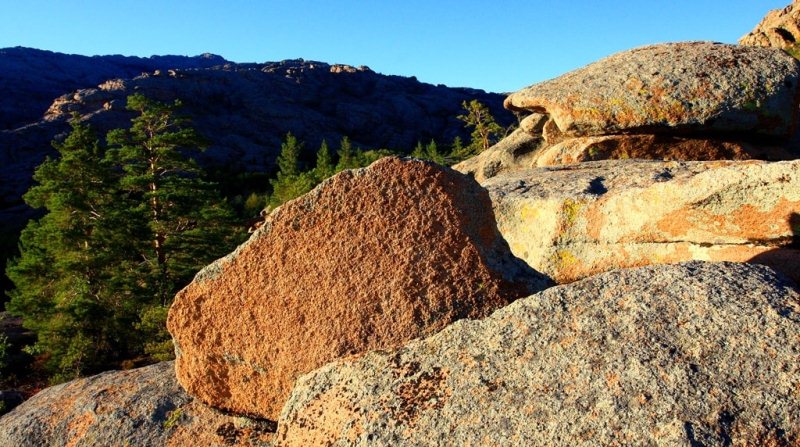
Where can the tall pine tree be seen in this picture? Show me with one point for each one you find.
(188, 224)
(67, 282)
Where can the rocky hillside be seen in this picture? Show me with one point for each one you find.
(33, 78)
(666, 211)
(243, 110)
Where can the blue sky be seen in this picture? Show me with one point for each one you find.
(498, 46)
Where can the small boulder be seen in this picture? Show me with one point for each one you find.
(512, 152)
(138, 407)
(576, 221)
(368, 260)
(690, 354)
(690, 87)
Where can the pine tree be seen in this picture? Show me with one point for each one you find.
(433, 154)
(324, 167)
(419, 151)
(186, 222)
(290, 181)
(485, 130)
(348, 157)
(69, 257)
(457, 151)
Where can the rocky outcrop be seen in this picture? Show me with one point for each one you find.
(141, 407)
(691, 354)
(680, 101)
(693, 87)
(780, 28)
(33, 78)
(576, 221)
(368, 260)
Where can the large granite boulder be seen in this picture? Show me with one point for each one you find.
(780, 28)
(368, 260)
(576, 221)
(696, 354)
(140, 407)
(691, 88)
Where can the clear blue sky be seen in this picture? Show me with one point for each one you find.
(497, 46)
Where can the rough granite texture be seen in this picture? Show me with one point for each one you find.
(369, 259)
(655, 147)
(517, 150)
(575, 221)
(140, 407)
(780, 28)
(697, 354)
(521, 150)
(691, 87)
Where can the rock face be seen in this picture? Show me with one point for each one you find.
(780, 28)
(141, 407)
(690, 354)
(576, 221)
(368, 260)
(693, 87)
(33, 78)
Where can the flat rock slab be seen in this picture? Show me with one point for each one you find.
(576, 221)
(673, 355)
(140, 407)
(370, 259)
(691, 87)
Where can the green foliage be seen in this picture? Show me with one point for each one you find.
(125, 228)
(324, 167)
(485, 131)
(429, 152)
(348, 157)
(254, 204)
(5, 348)
(290, 181)
(173, 418)
(459, 152)
(153, 322)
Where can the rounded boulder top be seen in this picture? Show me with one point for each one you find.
(686, 88)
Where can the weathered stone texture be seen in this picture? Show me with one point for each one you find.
(692, 87)
(780, 28)
(370, 259)
(673, 355)
(576, 221)
(141, 407)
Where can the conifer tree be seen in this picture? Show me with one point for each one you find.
(419, 151)
(69, 258)
(290, 182)
(433, 154)
(485, 130)
(348, 157)
(324, 167)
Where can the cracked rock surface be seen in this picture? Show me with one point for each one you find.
(574, 221)
(673, 355)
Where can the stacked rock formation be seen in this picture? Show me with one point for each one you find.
(780, 28)
(368, 260)
(570, 216)
(352, 315)
(678, 101)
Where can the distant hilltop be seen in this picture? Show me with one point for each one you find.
(32, 78)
